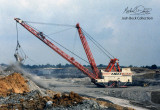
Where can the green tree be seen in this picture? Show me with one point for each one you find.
(154, 66)
(59, 65)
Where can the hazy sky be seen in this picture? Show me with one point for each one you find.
(133, 42)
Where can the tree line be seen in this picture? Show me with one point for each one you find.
(154, 66)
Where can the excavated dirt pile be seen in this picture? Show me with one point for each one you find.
(13, 83)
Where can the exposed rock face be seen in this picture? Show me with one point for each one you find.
(14, 83)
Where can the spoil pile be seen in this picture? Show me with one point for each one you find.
(13, 83)
(35, 101)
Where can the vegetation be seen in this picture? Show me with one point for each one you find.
(56, 66)
(154, 66)
(70, 65)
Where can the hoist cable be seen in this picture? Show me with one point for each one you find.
(97, 43)
(67, 49)
(17, 37)
(99, 48)
(59, 31)
(50, 24)
(26, 57)
(92, 39)
(19, 48)
(75, 39)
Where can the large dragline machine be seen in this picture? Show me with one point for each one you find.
(112, 76)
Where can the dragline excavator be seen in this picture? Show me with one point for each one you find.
(112, 76)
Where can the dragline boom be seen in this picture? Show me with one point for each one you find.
(43, 38)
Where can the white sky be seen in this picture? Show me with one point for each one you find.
(133, 42)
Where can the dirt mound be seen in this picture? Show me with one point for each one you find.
(14, 83)
(64, 100)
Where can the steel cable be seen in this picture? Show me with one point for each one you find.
(50, 24)
(100, 46)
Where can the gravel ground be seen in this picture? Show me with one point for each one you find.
(140, 95)
(86, 105)
(15, 98)
(34, 100)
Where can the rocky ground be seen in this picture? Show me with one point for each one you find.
(19, 93)
(142, 97)
(145, 96)
(137, 95)
(35, 100)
